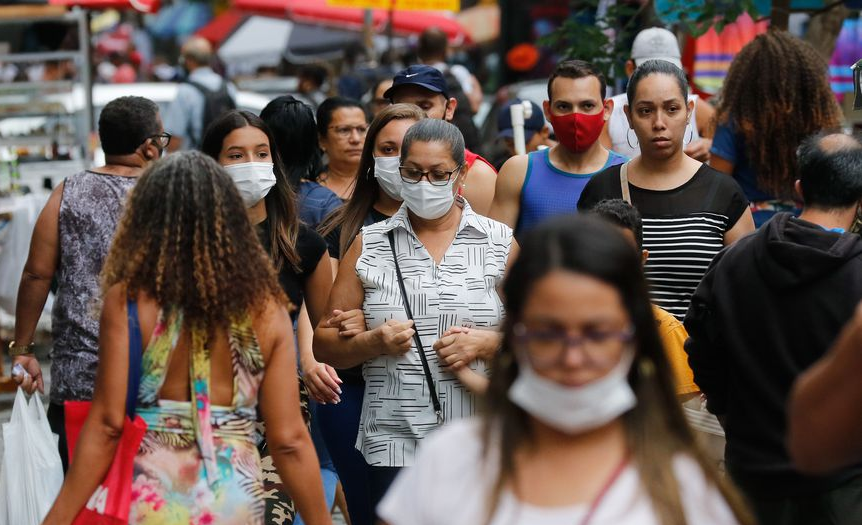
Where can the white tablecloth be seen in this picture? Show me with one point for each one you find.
(15, 243)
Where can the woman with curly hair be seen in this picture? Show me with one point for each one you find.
(187, 267)
(776, 93)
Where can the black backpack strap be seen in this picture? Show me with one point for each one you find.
(432, 390)
(200, 87)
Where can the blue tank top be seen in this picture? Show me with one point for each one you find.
(550, 191)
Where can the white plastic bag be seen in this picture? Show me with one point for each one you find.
(32, 472)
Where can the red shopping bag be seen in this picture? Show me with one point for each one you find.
(110, 503)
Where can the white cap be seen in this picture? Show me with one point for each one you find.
(656, 43)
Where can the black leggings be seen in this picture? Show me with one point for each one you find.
(57, 421)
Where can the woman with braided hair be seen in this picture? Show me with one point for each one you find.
(776, 93)
(187, 267)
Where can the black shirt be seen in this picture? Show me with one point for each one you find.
(333, 238)
(683, 228)
(311, 247)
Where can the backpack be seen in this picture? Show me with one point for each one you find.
(216, 103)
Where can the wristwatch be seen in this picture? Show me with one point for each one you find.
(16, 350)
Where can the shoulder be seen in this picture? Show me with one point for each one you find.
(603, 185)
(725, 183)
(310, 243)
(615, 159)
(496, 230)
(701, 498)
(515, 168)
(449, 472)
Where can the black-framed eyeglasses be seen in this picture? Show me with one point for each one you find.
(435, 177)
(547, 348)
(162, 139)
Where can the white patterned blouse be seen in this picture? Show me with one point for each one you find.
(397, 411)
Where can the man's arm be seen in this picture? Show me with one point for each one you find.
(825, 430)
(479, 191)
(506, 206)
(42, 262)
(704, 345)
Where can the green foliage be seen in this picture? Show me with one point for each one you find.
(696, 18)
(602, 40)
(605, 39)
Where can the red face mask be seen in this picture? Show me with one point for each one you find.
(578, 131)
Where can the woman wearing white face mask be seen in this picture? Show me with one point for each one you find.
(446, 261)
(582, 425)
(243, 144)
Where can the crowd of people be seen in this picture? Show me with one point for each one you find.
(344, 306)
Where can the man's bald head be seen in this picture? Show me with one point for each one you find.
(197, 52)
(830, 171)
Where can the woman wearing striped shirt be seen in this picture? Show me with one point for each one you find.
(690, 211)
(449, 263)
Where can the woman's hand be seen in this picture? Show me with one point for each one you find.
(322, 381)
(349, 323)
(460, 346)
(394, 338)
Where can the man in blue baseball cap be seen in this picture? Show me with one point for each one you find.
(536, 132)
(425, 87)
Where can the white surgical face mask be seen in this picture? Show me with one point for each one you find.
(578, 409)
(252, 179)
(388, 176)
(426, 200)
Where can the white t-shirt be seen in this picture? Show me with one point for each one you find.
(450, 483)
(623, 138)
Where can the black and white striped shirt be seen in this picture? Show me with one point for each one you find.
(683, 228)
(459, 291)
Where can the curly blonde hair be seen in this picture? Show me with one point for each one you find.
(186, 241)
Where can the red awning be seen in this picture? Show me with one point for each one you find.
(221, 26)
(144, 6)
(316, 11)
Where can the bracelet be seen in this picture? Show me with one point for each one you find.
(16, 350)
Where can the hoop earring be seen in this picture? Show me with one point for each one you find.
(690, 134)
(629, 140)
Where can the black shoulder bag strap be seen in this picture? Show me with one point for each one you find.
(432, 390)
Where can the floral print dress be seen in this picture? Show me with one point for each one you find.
(198, 463)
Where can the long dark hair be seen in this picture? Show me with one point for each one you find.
(656, 429)
(280, 201)
(351, 215)
(292, 124)
(184, 239)
(775, 94)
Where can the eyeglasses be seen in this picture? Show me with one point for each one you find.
(346, 131)
(162, 139)
(435, 177)
(548, 348)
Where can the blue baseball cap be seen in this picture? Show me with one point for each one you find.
(531, 125)
(419, 75)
